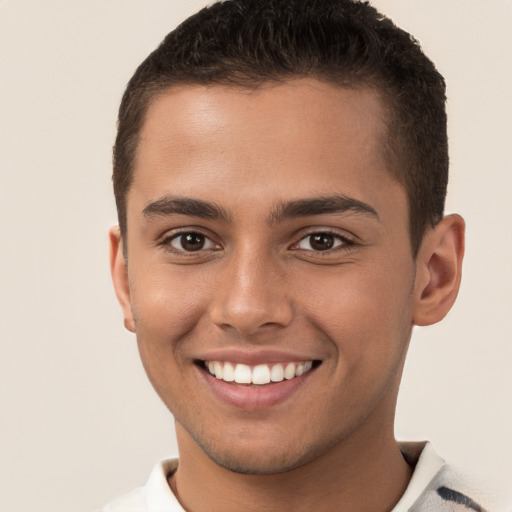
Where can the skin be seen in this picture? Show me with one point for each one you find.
(260, 284)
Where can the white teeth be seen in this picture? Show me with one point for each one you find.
(218, 368)
(289, 371)
(228, 373)
(243, 374)
(260, 374)
(303, 368)
(277, 373)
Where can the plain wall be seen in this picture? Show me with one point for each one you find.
(79, 423)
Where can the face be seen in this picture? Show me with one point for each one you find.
(269, 272)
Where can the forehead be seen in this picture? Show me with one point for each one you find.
(285, 141)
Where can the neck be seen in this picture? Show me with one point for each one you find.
(354, 475)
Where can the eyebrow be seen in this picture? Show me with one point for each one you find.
(319, 206)
(170, 205)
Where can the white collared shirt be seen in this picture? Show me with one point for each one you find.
(434, 487)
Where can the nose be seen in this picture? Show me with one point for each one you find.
(252, 295)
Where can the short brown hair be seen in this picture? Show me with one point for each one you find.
(245, 43)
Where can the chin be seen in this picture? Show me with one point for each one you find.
(254, 464)
(250, 458)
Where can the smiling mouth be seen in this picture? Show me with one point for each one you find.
(258, 375)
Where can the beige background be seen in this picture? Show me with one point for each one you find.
(79, 424)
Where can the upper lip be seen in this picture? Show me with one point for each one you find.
(255, 357)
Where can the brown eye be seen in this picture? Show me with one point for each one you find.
(322, 242)
(191, 242)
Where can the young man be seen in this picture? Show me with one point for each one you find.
(280, 172)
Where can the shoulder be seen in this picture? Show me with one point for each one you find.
(439, 487)
(155, 496)
(454, 491)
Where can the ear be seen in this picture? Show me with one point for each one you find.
(438, 270)
(119, 271)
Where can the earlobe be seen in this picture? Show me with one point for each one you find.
(439, 270)
(119, 271)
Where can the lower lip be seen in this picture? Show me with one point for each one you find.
(253, 397)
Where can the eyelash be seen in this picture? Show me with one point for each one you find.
(168, 240)
(340, 243)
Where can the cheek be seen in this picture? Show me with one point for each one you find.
(167, 302)
(365, 319)
(168, 307)
(366, 312)
(167, 310)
